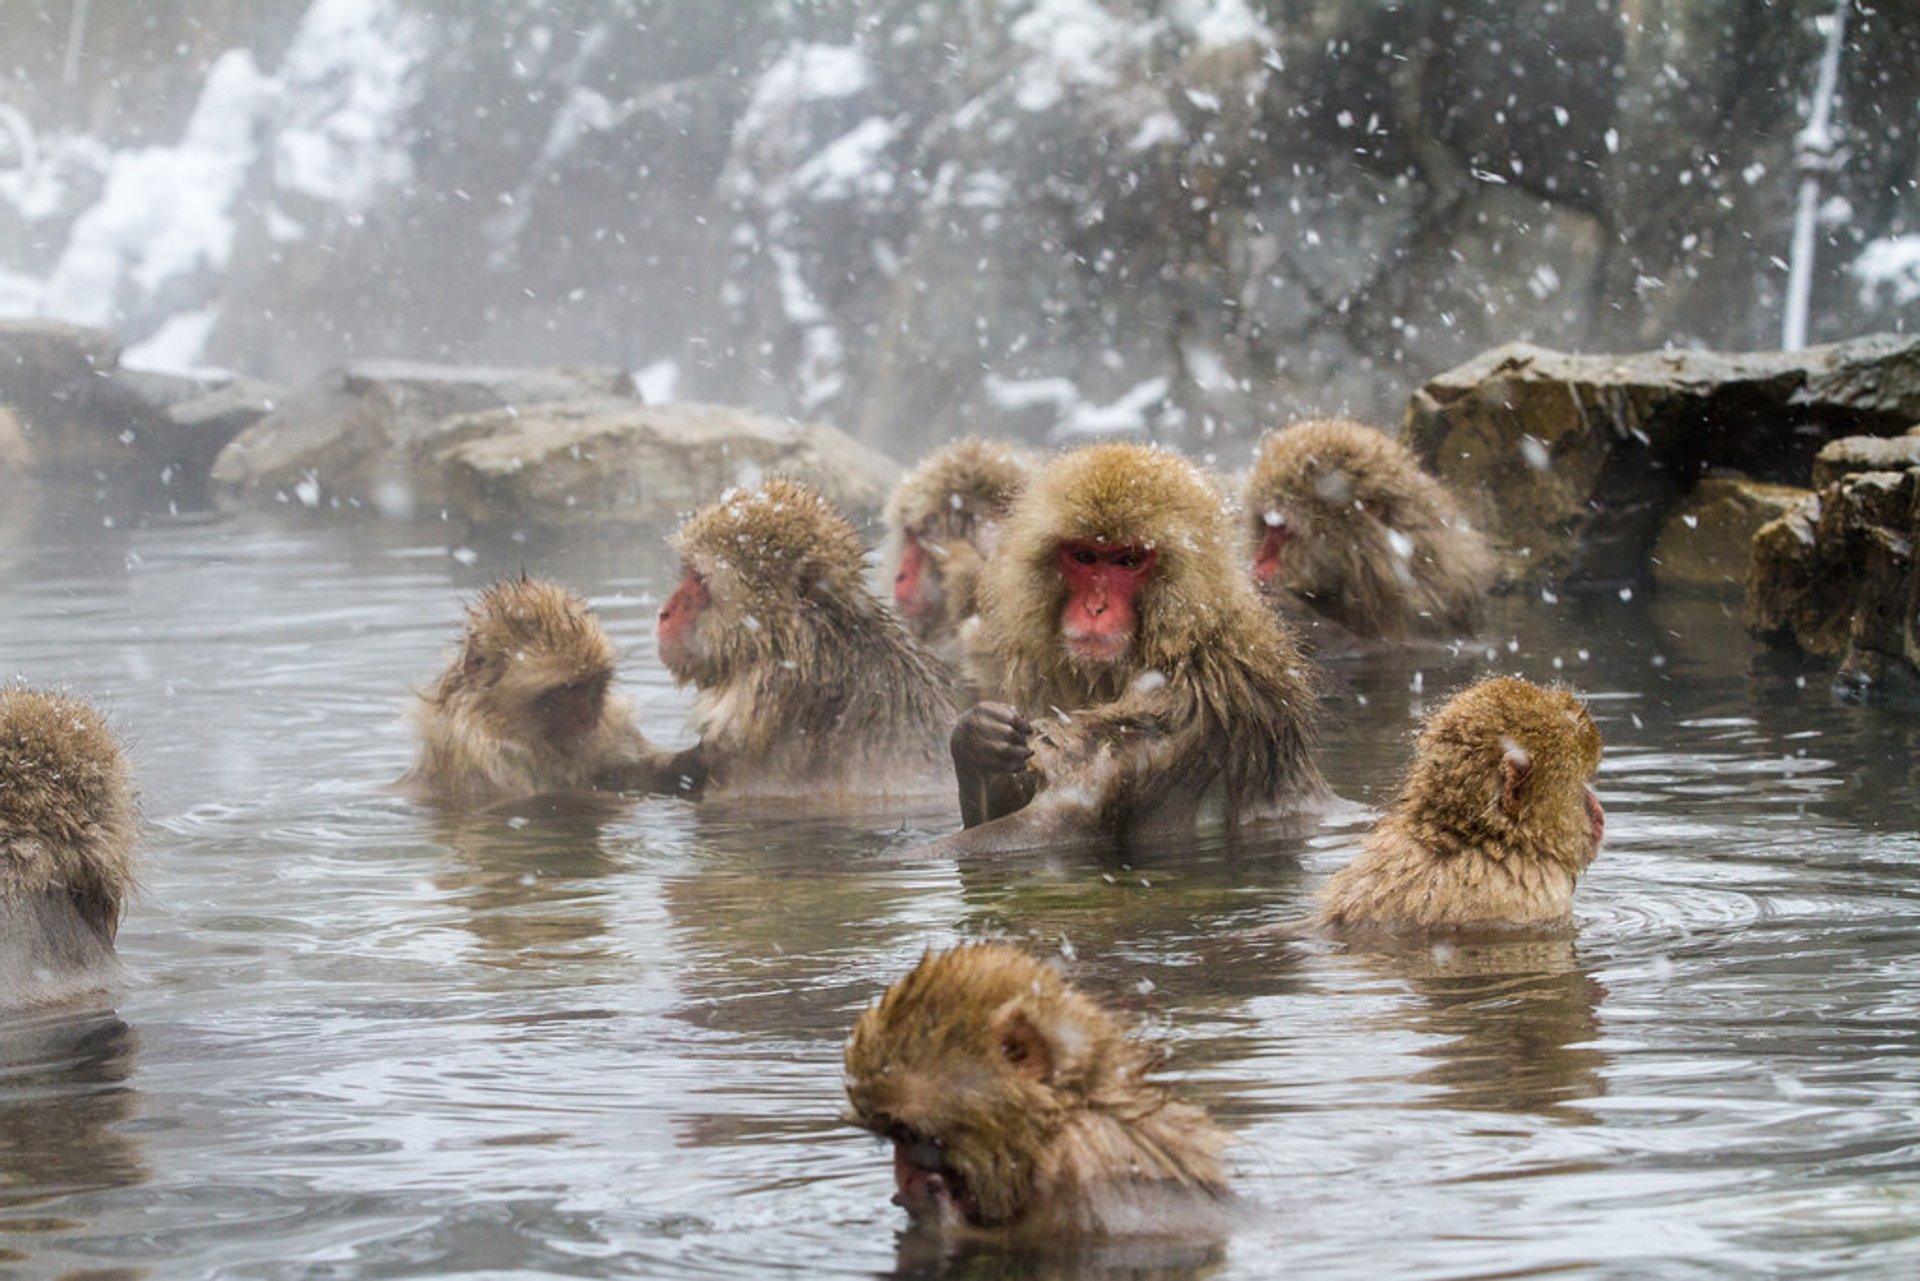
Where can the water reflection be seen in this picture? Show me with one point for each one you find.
(1512, 1024)
(527, 873)
(926, 1255)
(64, 1098)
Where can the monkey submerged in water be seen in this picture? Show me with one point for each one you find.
(942, 521)
(807, 686)
(1171, 695)
(1495, 823)
(1015, 1103)
(1346, 524)
(68, 825)
(526, 707)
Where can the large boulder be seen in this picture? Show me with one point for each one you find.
(358, 437)
(582, 462)
(77, 412)
(1577, 461)
(1835, 577)
(1707, 542)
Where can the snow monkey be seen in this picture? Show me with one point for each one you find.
(1149, 687)
(1345, 521)
(942, 520)
(68, 825)
(1494, 824)
(526, 707)
(1016, 1104)
(806, 684)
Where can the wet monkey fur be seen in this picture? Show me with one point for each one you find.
(1495, 823)
(1149, 688)
(806, 684)
(942, 521)
(1015, 1104)
(526, 707)
(68, 827)
(1345, 522)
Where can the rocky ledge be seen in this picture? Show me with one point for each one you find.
(1592, 469)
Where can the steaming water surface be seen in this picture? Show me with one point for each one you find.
(361, 1037)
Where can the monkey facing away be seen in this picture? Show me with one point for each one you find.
(1016, 1104)
(68, 825)
(526, 707)
(806, 685)
(942, 521)
(1493, 826)
(1149, 687)
(1345, 521)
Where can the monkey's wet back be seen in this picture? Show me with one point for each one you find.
(360, 1036)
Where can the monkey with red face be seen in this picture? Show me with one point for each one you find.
(1150, 689)
(1347, 528)
(806, 686)
(942, 521)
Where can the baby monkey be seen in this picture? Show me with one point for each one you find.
(526, 706)
(1015, 1103)
(68, 825)
(1493, 826)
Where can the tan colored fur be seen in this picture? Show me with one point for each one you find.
(1345, 490)
(1210, 711)
(952, 504)
(479, 723)
(68, 822)
(1066, 1144)
(1451, 855)
(805, 681)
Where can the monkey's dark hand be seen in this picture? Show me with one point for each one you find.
(991, 738)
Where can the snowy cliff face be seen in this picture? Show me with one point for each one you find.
(1055, 218)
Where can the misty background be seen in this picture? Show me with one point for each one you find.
(1186, 219)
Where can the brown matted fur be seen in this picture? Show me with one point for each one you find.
(68, 821)
(1457, 852)
(1042, 1111)
(953, 503)
(804, 679)
(1213, 702)
(483, 734)
(1377, 544)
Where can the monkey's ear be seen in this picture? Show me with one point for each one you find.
(1516, 778)
(1021, 1045)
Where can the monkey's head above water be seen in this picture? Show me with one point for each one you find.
(1115, 561)
(1002, 1087)
(1506, 760)
(535, 659)
(67, 814)
(758, 568)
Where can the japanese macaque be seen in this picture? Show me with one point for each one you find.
(806, 684)
(68, 825)
(1493, 826)
(526, 707)
(1149, 687)
(1016, 1104)
(1345, 521)
(942, 521)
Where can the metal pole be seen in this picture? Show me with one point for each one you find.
(1813, 155)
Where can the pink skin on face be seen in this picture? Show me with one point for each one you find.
(1269, 559)
(910, 583)
(1102, 580)
(674, 626)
